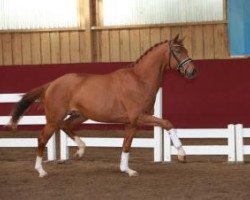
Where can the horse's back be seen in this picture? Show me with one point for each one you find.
(76, 82)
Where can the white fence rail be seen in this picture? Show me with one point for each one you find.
(227, 133)
(66, 142)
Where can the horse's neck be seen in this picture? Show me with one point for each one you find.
(150, 69)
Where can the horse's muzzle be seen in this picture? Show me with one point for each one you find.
(191, 74)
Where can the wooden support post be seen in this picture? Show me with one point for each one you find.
(86, 21)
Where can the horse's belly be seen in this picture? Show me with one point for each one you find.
(101, 107)
(104, 114)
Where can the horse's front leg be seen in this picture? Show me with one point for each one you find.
(124, 167)
(167, 125)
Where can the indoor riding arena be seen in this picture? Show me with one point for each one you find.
(115, 99)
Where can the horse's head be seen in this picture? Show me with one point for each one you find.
(179, 59)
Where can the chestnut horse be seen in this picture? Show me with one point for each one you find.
(124, 96)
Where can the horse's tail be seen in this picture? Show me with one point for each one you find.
(27, 100)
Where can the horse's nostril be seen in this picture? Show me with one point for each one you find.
(192, 74)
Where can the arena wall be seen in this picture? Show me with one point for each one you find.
(217, 97)
(94, 42)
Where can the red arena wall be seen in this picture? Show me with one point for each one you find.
(217, 97)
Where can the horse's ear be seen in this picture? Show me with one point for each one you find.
(176, 38)
(182, 39)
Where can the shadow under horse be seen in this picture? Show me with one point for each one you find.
(125, 96)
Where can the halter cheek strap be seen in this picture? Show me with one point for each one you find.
(182, 63)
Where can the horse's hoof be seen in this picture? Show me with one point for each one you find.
(76, 157)
(132, 172)
(182, 159)
(79, 154)
(43, 174)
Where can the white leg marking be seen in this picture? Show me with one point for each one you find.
(81, 145)
(124, 165)
(39, 167)
(176, 142)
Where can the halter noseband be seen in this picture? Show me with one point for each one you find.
(181, 64)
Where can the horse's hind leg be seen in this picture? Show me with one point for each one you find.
(43, 138)
(68, 125)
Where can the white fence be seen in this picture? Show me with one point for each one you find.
(26, 120)
(160, 143)
(227, 133)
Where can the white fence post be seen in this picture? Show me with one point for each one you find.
(231, 143)
(64, 149)
(158, 130)
(167, 147)
(51, 148)
(239, 143)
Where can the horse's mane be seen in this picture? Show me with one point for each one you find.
(147, 51)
